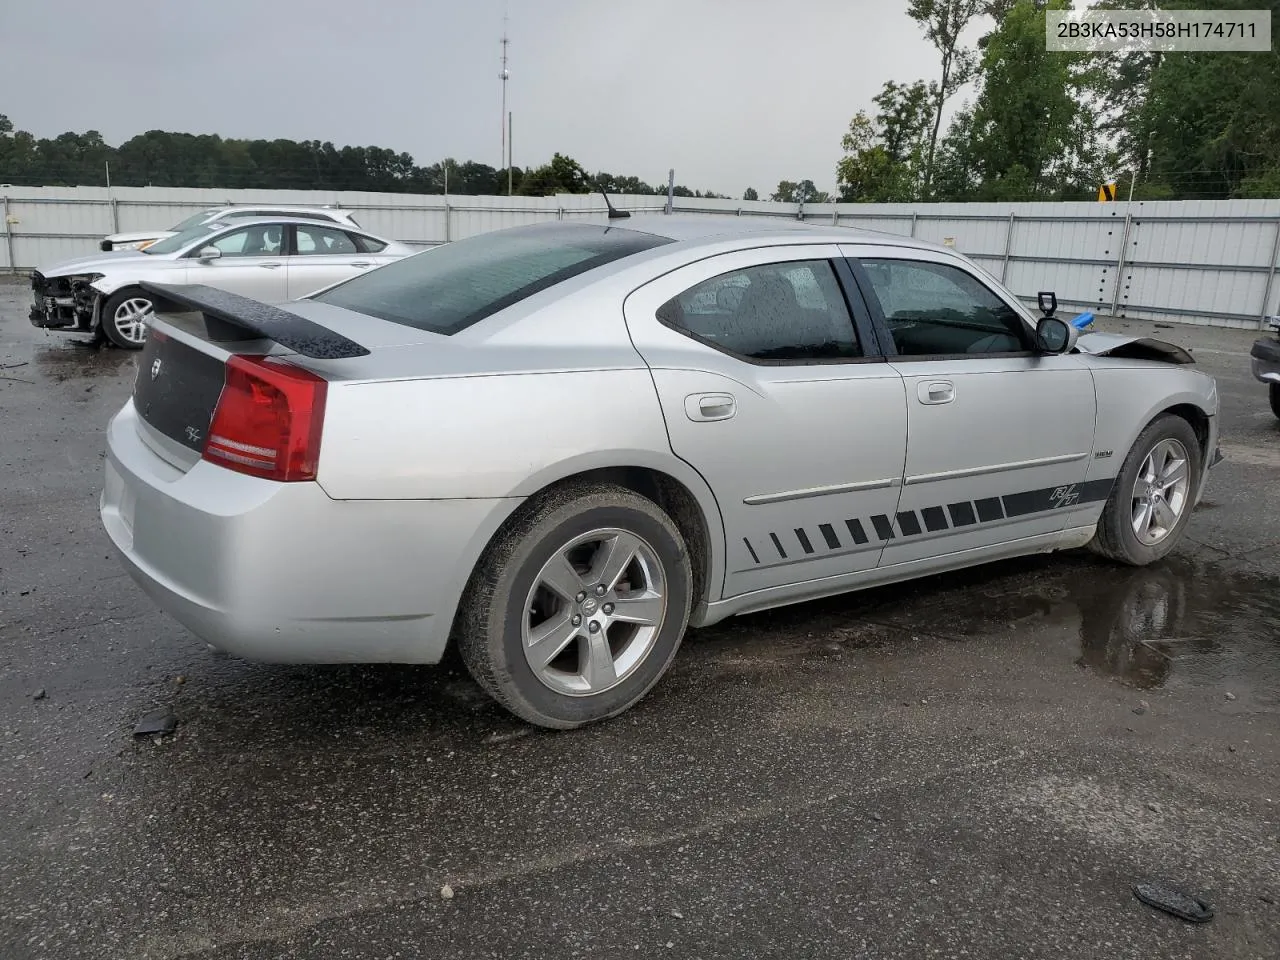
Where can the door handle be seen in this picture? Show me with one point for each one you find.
(936, 391)
(362, 264)
(270, 266)
(710, 406)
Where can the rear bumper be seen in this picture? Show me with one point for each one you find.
(281, 572)
(1265, 359)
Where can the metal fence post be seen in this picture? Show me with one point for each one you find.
(1124, 246)
(1271, 276)
(913, 223)
(8, 235)
(115, 216)
(559, 213)
(1008, 243)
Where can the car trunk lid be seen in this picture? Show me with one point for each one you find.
(184, 364)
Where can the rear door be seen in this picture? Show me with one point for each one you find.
(772, 389)
(1001, 434)
(252, 263)
(323, 255)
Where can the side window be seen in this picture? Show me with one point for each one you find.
(367, 244)
(322, 241)
(935, 309)
(259, 240)
(778, 311)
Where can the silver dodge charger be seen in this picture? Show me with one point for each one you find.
(558, 446)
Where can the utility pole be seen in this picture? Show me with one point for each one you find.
(504, 120)
(510, 137)
(671, 189)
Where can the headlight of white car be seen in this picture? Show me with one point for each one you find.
(135, 245)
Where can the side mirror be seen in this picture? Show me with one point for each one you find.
(1056, 336)
(208, 253)
(1051, 307)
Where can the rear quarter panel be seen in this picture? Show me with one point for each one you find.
(486, 436)
(505, 436)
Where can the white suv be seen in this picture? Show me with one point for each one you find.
(141, 239)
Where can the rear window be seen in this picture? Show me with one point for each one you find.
(453, 286)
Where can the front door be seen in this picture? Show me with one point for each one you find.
(252, 263)
(771, 391)
(1000, 434)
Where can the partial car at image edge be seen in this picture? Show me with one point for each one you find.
(1265, 363)
(558, 446)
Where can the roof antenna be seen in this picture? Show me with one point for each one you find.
(614, 213)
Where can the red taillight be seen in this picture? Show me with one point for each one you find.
(268, 420)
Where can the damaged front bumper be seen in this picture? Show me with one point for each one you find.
(63, 303)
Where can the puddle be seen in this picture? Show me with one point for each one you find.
(29, 354)
(1179, 621)
(1182, 622)
(72, 360)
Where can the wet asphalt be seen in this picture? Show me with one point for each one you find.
(977, 765)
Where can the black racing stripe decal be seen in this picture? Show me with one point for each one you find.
(989, 509)
(884, 529)
(934, 519)
(964, 514)
(1052, 498)
(778, 544)
(908, 523)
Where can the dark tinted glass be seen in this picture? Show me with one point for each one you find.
(934, 309)
(322, 241)
(778, 311)
(367, 244)
(448, 288)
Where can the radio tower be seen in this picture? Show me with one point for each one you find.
(506, 160)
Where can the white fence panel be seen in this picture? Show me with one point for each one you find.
(1192, 261)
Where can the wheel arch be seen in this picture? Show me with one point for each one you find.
(1197, 418)
(674, 486)
(682, 493)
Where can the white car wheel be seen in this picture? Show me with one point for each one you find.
(125, 318)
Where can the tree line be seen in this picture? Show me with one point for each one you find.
(164, 159)
(1053, 126)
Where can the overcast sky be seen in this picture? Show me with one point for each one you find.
(732, 93)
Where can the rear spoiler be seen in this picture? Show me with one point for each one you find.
(229, 316)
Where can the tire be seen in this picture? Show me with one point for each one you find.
(1117, 539)
(115, 318)
(1274, 390)
(511, 597)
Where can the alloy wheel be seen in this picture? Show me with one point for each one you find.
(1161, 491)
(594, 612)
